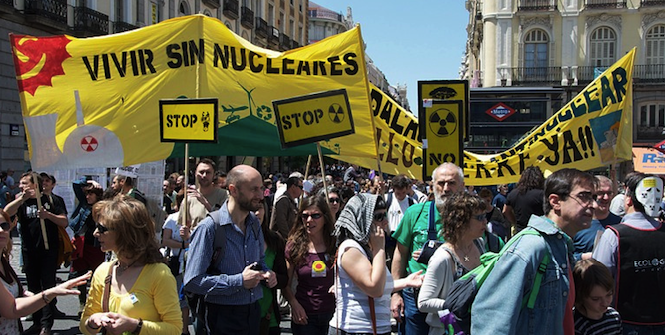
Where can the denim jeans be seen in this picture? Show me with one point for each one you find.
(643, 330)
(233, 319)
(317, 324)
(414, 323)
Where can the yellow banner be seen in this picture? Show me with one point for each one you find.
(443, 129)
(95, 102)
(594, 129)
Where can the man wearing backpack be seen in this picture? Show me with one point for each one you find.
(411, 235)
(230, 286)
(397, 202)
(501, 304)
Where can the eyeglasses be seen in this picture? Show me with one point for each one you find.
(480, 217)
(5, 226)
(380, 216)
(335, 200)
(299, 186)
(314, 216)
(584, 198)
(102, 229)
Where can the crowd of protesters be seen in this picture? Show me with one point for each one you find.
(340, 252)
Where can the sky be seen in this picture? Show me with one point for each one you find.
(410, 40)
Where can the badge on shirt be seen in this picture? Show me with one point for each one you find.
(133, 298)
(318, 269)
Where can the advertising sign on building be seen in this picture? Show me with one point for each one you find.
(500, 111)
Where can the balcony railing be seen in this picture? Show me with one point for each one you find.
(246, 17)
(92, 21)
(284, 42)
(522, 76)
(261, 29)
(120, 26)
(645, 133)
(295, 44)
(231, 9)
(605, 4)
(649, 73)
(273, 36)
(537, 5)
(646, 3)
(49, 12)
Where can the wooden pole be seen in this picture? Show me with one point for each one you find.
(309, 160)
(38, 194)
(184, 211)
(323, 170)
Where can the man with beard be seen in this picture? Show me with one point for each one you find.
(500, 306)
(232, 293)
(602, 218)
(411, 235)
(205, 198)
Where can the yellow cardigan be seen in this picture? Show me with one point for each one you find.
(153, 298)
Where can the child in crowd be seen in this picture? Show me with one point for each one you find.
(594, 290)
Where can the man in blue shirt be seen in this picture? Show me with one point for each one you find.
(232, 293)
(602, 218)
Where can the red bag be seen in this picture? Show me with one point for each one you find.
(78, 242)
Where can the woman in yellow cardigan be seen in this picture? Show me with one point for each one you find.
(142, 296)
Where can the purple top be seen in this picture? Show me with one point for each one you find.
(315, 277)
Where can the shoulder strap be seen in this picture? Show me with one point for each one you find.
(530, 300)
(389, 200)
(372, 314)
(219, 247)
(107, 288)
(431, 228)
(411, 202)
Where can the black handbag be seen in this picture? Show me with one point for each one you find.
(174, 263)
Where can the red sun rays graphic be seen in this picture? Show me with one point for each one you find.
(89, 144)
(38, 59)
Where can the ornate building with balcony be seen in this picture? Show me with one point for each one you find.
(563, 45)
(275, 24)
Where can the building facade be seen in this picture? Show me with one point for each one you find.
(564, 44)
(275, 24)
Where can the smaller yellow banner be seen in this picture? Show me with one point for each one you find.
(188, 120)
(448, 90)
(313, 117)
(443, 127)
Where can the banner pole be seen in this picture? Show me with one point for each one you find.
(309, 160)
(323, 170)
(184, 210)
(39, 208)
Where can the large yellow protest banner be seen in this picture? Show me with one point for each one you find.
(594, 129)
(95, 102)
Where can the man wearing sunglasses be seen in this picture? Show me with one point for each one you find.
(285, 210)
(39, 264)
(633, 251)
(500, 306)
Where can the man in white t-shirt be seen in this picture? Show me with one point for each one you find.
(397, 201)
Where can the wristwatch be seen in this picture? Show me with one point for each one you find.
(138, 328)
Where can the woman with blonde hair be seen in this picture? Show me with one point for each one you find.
(137, 292)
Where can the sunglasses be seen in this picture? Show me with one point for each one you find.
(480, 217)
(314, 216)
(102, 229)
(5, 226)
(380, 216)
(335, 200)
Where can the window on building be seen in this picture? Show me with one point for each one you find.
(183, 9)
(655, 45)
(281, 22)
(258, 9)
(292, 29)
(207, 13)
(602, 47)
(535, 54)
(271, 14)
(652, 115)
(120, 11)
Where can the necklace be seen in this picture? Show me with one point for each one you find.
(121, 268)
(466, 253)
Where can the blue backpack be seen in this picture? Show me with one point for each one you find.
(464, 290)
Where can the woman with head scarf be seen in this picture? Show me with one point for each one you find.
(363, 284)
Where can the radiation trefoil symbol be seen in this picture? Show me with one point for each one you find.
(336, 113)
(442, 123)
(89, 143)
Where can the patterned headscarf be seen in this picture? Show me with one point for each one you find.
(355, 220)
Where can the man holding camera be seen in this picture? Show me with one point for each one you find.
(411, 236)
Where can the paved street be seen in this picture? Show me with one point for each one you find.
(69, 325)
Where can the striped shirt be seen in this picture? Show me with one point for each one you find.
(241, 251)
(609, 324)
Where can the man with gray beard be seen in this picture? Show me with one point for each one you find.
(411, 235)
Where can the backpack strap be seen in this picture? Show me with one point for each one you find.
(219, 247)
(431, 227)
(389, 199)
(530, 300)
